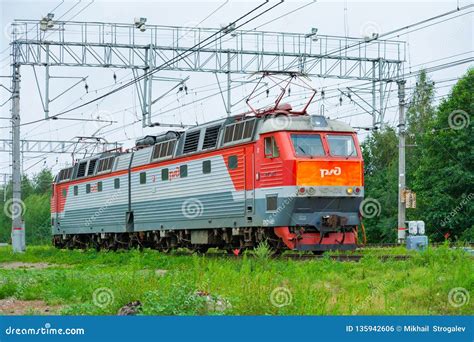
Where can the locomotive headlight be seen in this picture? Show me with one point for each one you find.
(349, 191)
(311, 191)
(301, 191)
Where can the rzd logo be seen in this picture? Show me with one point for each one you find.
(325, 172)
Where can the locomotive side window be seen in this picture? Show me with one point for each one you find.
(239, 131)
(164, 149)
(271, 148)
(272, 202)
(105, 164)
(99, 186)
(88, 188)
(65, 174)
(206, 166)
(249, 126)
(142, 177)
(164, 174)
(307, 145)
(76, 190)
(229, 131)
(233, 162)
(183, 171)
(341, 145)
(117, 183)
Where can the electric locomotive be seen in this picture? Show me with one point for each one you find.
(286, 177)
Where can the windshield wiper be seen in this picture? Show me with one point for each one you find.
(350, 154)
(302, 150)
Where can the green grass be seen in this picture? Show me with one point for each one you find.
(419, 285)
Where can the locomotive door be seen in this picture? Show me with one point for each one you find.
(249, 180)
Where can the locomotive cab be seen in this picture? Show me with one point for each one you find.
(310, 172)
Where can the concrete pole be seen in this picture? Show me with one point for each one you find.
(144, 93)
(401, 161)
(374, 112)
(18, 228)
(229, 81)
(46, 85)
(381, 91)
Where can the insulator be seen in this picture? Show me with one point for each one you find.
(322, 94)
(186, 89)
(115, 78)
(268, 92)
(87, 87)
(289, 91)
(340, 101)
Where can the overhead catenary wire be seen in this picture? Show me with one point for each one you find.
(284, 15)
(196, 101)
(389, 33)
(180, 56)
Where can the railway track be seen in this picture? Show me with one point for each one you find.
(342, 257)
(290, 256)
(391, 245)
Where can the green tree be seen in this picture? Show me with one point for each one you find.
(42, 182)
(444, 179)
(380, 152)
(35, 195)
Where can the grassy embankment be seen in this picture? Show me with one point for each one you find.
(170, 284)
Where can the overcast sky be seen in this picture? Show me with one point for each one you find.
(438, 44)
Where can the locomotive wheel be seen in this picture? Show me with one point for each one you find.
(201, 249)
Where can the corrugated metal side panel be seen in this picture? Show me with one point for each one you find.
(208, 195)
(123, 162)
(142, 157)
(271, 174)
(96, 209)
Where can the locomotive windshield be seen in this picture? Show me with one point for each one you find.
(307, 145)
(341, 145)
